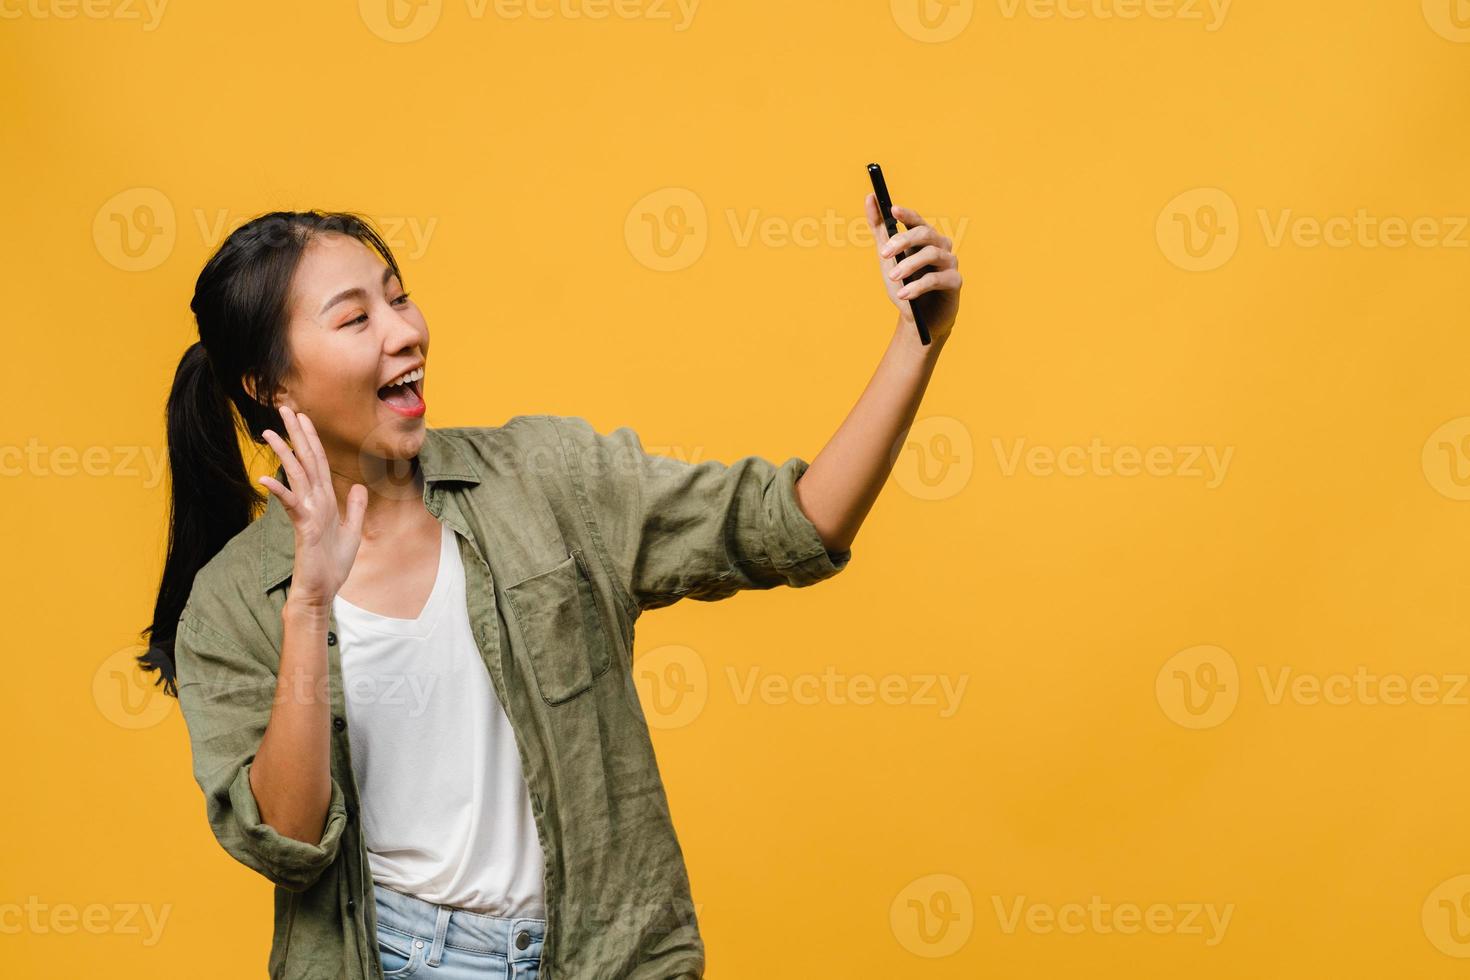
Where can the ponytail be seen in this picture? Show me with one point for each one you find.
(213, 497)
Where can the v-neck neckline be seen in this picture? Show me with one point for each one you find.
(421, 624)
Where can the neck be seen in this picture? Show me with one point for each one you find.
(395, 493)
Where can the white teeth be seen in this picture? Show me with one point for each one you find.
(413, 375)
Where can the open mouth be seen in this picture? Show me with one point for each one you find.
(405, 399)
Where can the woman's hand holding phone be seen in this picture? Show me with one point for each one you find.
(908, 253)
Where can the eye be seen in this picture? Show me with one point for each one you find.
(363, 317)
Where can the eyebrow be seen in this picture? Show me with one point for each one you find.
(355, 291)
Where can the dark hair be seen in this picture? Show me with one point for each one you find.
(242, 307)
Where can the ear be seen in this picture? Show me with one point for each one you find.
(248, 383)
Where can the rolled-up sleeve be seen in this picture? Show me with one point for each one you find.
(225, 696)
(675, 530)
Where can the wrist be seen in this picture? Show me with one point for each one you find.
(310, 610)
(906, 338)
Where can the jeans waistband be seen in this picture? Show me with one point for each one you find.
(516, 938)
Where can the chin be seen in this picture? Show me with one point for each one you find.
(395, 439)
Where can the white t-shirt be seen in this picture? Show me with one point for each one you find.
(446, 814)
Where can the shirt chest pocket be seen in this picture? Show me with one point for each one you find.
(557, 613)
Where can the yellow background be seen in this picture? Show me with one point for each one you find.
(826, 839)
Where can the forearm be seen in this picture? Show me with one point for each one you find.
(839, 488)
(291, 775)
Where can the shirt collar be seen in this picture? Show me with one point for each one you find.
(440, 458)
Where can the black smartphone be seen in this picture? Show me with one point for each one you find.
(885, 205)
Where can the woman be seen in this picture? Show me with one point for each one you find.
(461, 602)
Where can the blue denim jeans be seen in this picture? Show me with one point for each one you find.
(439, 942)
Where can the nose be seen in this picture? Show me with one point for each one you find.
(403, 333)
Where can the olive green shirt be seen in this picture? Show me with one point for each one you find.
(566, 535)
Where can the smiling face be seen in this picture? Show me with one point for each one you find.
(353, 330)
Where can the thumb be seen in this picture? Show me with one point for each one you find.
(357, 499)
(875, 220)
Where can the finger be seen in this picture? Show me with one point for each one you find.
(944, 279)
(910, 217)
(357, 499)
(314, 451)
(918, 235)
(287, 497)
(875, 221)
(911, 220)
(298, 441)
(870, 210)
(928, 255)
(299, 481)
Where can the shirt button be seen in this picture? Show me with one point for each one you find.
(351, 905)
(338, 723)
(331, 638)
(523, 939)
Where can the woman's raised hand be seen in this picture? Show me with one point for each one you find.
(326, 545)
(939, 287)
